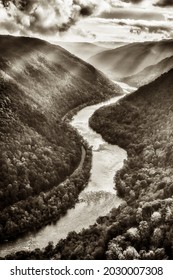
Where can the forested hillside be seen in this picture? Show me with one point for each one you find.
(141, 228)
(142, 123)
(39, 84)
(131, 58)
(150, 73)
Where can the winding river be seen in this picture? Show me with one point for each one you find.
(97, 199)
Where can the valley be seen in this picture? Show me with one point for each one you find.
(86, 162)
(132, 58)
(39, 84)
(98, 197)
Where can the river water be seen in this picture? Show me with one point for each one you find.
(97, 199)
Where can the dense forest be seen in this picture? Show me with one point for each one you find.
(39, 84)
(142, 123)
(142, 227)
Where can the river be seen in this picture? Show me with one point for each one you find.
(97, 199)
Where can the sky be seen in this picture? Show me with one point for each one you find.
(88, 20)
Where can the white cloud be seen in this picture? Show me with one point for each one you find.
(120, 30)
(63, 18)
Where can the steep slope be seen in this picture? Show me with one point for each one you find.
(83, 50)
(150, 73)
(37, 65)
(131, 59)
(39, 84)
(141, 228)
(142, 123)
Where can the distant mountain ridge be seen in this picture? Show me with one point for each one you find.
(83, 50)
(132, 58)
(150, 73)
(111, 44)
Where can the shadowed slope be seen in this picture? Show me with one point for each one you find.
(131, 59)
(141, 228)
(150, 73)
(39, 83)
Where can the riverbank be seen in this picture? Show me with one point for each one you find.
(51, 205)
(103, 197)
(141, 227)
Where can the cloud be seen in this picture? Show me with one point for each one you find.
(80, 33)
(50, 17)
(136, 1)
(152, 28)
(164, 3)
(46, 17)
(133, 1)
(127, 13)
(138, 26)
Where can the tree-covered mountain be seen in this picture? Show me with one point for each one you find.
(132, 58)
(39, 84)
(142, 227)
(142, 123)
(150, 73)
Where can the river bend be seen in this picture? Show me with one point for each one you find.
(97, 199)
